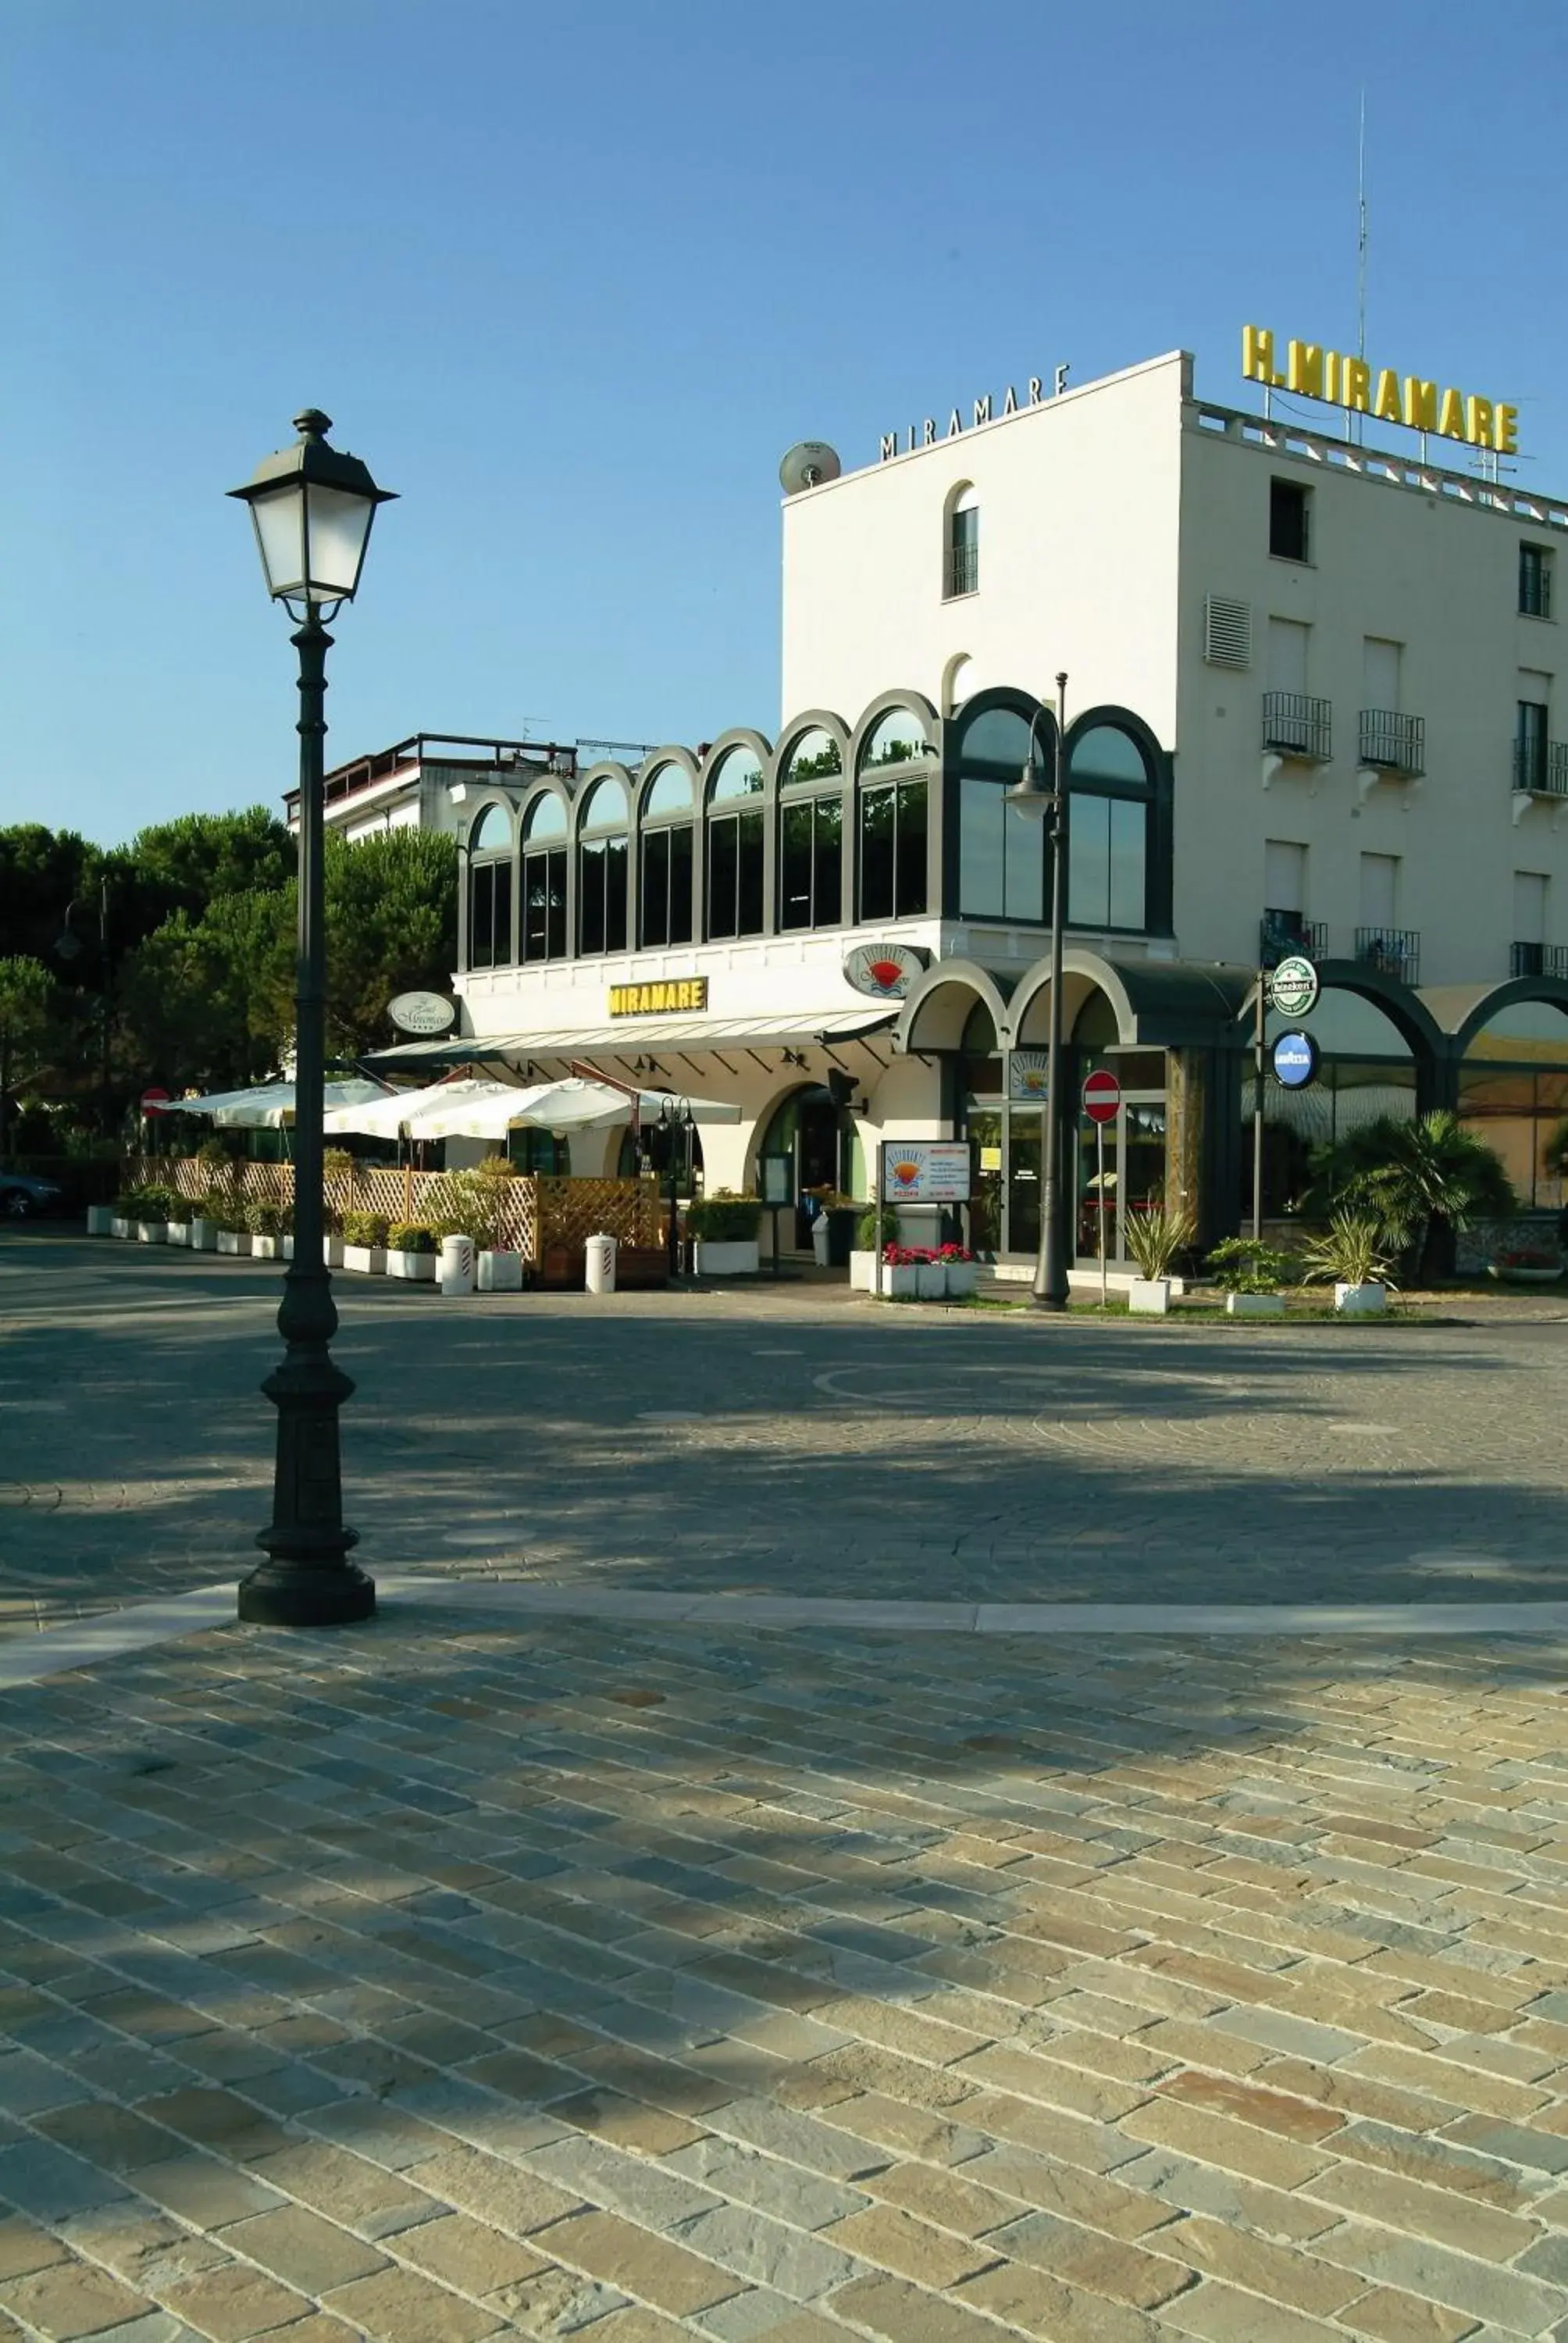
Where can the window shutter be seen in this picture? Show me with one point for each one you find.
(1227, 631)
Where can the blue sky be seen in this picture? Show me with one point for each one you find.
(572, 280)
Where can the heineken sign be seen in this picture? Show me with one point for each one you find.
(1293, 988)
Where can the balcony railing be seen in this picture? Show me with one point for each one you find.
(1540, 768)
(1295, 724)
(1396, 951)
(1391, 743)
(1281, 934)
(1538, 960)
(961, 572)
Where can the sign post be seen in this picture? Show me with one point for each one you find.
(1102, 1104)
(1292, 989)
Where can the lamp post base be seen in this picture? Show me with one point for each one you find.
(292, 1594)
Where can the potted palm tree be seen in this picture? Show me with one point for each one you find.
(1154, 1239)
(1350, 1250)
(1422, 1182)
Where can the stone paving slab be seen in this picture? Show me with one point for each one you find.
(474, 1974)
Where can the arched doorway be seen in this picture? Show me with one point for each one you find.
(1118, 1170)
(1368, 1068)
(1513, 1094)
(808, 1142)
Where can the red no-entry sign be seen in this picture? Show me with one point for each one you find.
(153, 1098)
(1102, 1097)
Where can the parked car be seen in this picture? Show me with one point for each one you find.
(22, 1193)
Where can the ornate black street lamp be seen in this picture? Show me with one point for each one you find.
(1032, 798)
(676, 1125)
(68, 947)
(312, 507)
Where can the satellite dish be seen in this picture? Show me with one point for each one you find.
(808, 466)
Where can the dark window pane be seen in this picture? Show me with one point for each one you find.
(545, 905)
(748, 877)
(482, 917)
(795, 865)
(1288, 523)
(878, 816)
(590, 898)
(827, 862)
(996, 745)
(722, 852)
(1089, 863)
(557, 860)
(1127, 887)
(654, 925)
(1108, 754)
(981, 868)
(911, 893)
(615, 856)
(1023, 845)
(680, 885)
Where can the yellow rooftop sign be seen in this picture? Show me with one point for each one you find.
(1312, 372)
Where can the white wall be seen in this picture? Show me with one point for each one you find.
(1397, 564)
(1078, 546)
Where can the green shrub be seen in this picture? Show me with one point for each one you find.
(411, 1236)
(476, 1203)
(152, 1203)
(180, 1209)
(865, 1227)
(365, 1229)
(1248, 1265)
(725, 1218)
(267, 1220)
(218, 1154)
(213, 1204)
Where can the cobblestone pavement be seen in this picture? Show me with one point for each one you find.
(791, 1441)
(459, 1976)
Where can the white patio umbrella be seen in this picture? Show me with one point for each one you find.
(267, 1107)
(578, 1105)
(461, 1110)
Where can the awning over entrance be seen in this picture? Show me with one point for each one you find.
(641, 1035)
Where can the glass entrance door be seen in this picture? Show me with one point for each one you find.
(1134, 1177)
(1023, 1170)
(986, 1206)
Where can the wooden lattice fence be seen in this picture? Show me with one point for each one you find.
(534, 1212)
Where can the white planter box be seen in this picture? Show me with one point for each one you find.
(1361, 1301)
(334, 1251)
(961, 1276)
(930, 1279)
(500, 1272)
(100, 1220)
(370, 1260)
(418, 1268)
(235, 1240)
(862, 1271)
(263, 1248)
(1255, 1305)
(901, 1283)
(202, 1237)
(179, 1233)
(1148, 1296)
(728, 1257)
(118, 1228)
(152, 1231)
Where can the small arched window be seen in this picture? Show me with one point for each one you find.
(545, 878)
(603, 845)
(735, 856)
(1108, 855)
(811, 834)
(960, 549)
(664, 857)
(490, 890)
(893, 817)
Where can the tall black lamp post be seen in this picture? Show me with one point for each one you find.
(1032, 798)
(312, 507)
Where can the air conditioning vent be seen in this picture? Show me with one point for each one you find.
(1227, 631)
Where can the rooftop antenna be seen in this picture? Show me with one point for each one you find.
(1362, 244)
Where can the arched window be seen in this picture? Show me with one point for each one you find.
(1002, 857)
(490, 890)
(811, 834)
(545, 878)
(735, 847)
(602, 847)
(1108, 831)
(664, 857)
(960, 549)
(892, 794)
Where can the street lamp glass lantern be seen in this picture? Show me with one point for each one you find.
(1031, 795)
(312, 506)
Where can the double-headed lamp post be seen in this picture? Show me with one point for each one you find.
(1032, 798)
(312, 507)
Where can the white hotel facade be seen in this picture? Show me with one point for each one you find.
(1315, 699)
